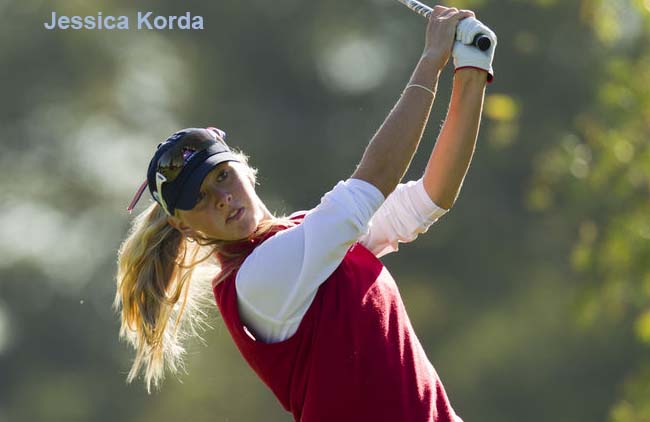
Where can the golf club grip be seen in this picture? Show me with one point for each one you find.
(480, 41)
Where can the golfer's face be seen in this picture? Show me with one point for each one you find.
(228, 207)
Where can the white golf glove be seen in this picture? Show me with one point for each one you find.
(467, 55)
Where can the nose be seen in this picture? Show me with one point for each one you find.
(222, 198)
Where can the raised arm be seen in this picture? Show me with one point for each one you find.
(390, 151)
(450, 159)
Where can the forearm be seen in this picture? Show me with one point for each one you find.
(390, 151)
(453, 152)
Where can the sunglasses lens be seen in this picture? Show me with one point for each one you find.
(179, 149)
(171, 163)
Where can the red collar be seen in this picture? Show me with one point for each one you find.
(242, 248)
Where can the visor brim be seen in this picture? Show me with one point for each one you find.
(192, 187)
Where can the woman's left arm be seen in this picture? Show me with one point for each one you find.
(414, 206)
(452, 154)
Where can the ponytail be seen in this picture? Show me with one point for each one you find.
(162, 291)
(155, 266)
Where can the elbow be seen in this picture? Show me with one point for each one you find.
(445, 204)
(443, 198)
(384, 184)
(448, 198)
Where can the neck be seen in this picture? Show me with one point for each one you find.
(266, 227)
(266, 215)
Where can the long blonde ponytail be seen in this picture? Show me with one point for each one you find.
(160, 307)
(164, 286)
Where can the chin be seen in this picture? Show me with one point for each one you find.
(247, 228)
(251, 228)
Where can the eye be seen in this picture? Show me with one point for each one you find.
(223, 174)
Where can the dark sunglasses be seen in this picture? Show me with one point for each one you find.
(173, 156)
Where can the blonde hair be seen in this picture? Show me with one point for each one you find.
(164, 277)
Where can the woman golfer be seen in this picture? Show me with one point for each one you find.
(305, 298)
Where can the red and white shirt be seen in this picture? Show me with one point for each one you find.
(278, 281)
(320, 320)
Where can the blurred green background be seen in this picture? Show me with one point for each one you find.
(531, 298)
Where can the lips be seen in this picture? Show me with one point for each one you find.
(235, 214)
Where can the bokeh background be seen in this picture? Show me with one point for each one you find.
(531, 297)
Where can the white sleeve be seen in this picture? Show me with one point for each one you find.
(279, 279)
(407, 212)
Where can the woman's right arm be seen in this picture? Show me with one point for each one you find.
(389, 153)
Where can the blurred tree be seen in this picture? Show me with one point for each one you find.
(302, 89)
(597, 178)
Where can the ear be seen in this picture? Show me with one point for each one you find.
(251, 178)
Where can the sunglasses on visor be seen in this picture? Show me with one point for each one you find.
(183, 150)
